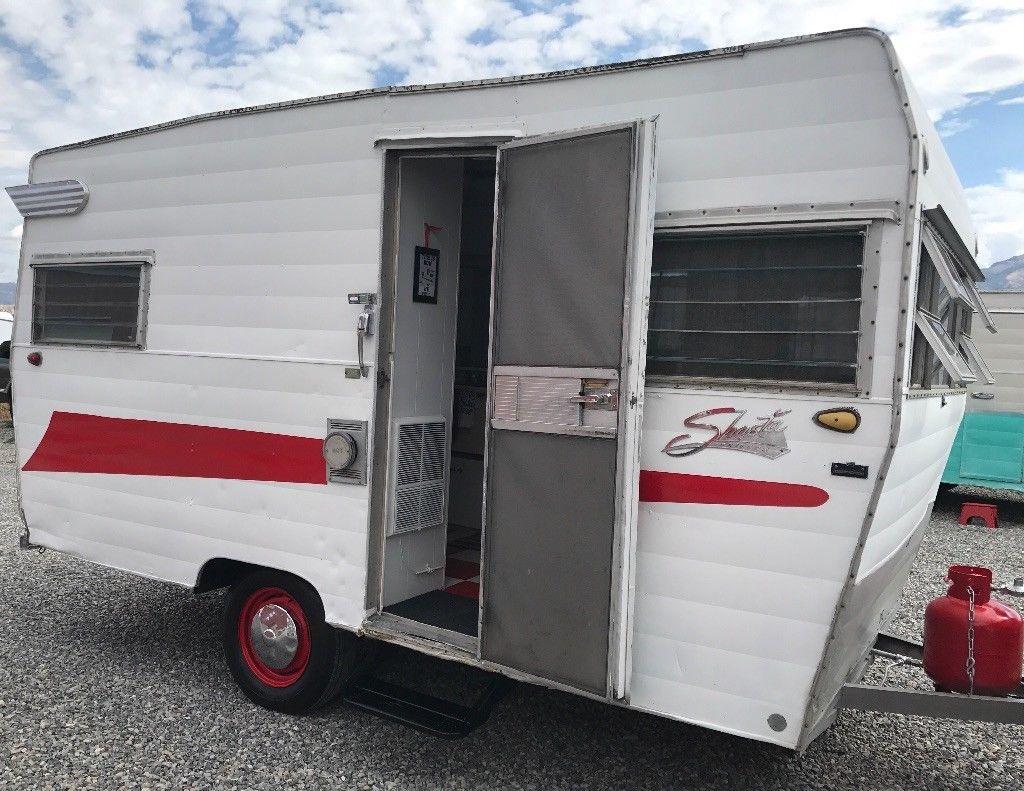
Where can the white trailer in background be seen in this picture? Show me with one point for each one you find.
(693, 410)
(1005, 354)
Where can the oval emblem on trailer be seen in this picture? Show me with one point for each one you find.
(845, 420)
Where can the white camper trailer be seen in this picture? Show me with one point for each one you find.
(617, 380)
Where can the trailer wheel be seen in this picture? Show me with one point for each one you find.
(280, 650)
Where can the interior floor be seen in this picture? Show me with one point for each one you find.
(462, 562)
(442, 609)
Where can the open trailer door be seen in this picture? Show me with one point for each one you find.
(572, 256)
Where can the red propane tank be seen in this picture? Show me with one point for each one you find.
(998, 637)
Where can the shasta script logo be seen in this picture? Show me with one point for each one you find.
(765, 437)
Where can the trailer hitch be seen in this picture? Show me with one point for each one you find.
(944, 705)
(1015, 588)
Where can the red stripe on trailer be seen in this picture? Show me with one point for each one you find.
(75, 442)
(677, 487)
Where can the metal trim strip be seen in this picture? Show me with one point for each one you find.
(848, 211)
(397, 626)
(819, 708)
(553, 428)
(554, 372)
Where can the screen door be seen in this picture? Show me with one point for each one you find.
(574, 222)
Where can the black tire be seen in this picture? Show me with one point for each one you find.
(302, 686)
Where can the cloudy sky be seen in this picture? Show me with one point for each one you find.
(73, 69)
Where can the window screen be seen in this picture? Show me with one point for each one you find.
(91, 303)
(770, 306)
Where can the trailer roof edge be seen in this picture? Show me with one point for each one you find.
(630, 65)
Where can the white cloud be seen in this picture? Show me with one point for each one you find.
(15, 232)
(1014, 100)
(999, 215)
(952, 125)
(77, 70)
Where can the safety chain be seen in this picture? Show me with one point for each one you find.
(970, 640)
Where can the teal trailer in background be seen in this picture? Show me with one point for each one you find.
(988, 452)
(989, 448)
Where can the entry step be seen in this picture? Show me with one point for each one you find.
(436, 716)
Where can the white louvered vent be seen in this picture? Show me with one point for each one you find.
(419, 450)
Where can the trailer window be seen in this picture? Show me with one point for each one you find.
(94, 303)
(757, 306)
(943, 353)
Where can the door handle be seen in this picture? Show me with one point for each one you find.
(605, 398)
(364, 326)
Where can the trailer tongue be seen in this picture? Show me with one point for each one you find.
(972, 650)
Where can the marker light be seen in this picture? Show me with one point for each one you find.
(340, 450)
(846, 420)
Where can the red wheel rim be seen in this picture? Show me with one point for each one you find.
(261, 604)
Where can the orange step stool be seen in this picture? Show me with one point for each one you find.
(988, 514)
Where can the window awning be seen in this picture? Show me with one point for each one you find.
(954, 273)
(945, 228)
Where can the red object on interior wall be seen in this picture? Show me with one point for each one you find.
(998, 637)
(429, 229)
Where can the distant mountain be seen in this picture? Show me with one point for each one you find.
(7, 292)
(1005, 275)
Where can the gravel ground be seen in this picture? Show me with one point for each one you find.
(110, 681)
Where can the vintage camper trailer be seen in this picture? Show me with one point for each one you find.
(989, 448)
(635, 381)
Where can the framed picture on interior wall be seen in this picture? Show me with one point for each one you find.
(425, 274)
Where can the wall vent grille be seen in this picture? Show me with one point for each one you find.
(420, 449)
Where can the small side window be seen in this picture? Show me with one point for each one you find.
(96, 303)
(943, 354)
